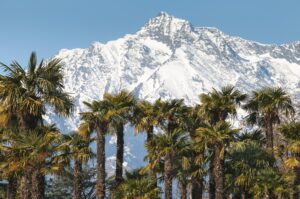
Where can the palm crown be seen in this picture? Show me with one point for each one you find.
(217, 105)
(27, 92)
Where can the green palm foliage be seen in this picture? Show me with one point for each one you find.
(218, 105)
(137, 186)
(172, 114)
(147, 116)
(121, 111)
(25, 93)
(291, 132)
(61, 186)
(265, 108)
(219, 135)
(31, 154)
(7, 122)
(246, 160)
(271, 184)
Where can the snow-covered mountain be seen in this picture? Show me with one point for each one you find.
(169, 58)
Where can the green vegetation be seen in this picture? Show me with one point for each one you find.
(201, 149)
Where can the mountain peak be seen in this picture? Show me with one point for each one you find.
(163, 14)
(165, 24)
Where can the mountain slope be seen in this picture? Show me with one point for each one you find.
(169, 58)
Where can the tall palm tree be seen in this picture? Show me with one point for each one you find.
(192, 123)
(146, 117)
(219, 136)
(166, 148)
(27, 93)
(172, 115)
(291, 132)
(78, 147)
(217, 106)
(265, 108)
(121, 112)
(98, 119)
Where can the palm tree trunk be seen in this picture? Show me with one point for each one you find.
(37, 188)
(25, 185)
(100, 185)
(269, 134)
(149, 138)
(296, 194)
(168, 176)
(243, 195)
(77, 184)
(218, 172)
(42, 184)
(197, 188)
(211, 188)
(12, 187)
(120, 155)
(183, 189)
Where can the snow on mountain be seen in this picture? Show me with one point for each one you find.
(169, 58)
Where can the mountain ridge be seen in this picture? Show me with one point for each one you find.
(170, 58)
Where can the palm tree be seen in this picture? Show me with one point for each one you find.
(31, 154)
(137, 186)
(60, 186)
(28, 92)
(97, 119)
(25, 94)
(217, 106)
(246, 160)
(121, 110)
(271, 184)
(291, 132)
(266, 107)
(219, 136)
(192, 123)
(79, 149)
(172, 115)
(7, 123)
(183, 169)
(165, 148)
(146, 117)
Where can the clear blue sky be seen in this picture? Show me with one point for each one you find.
(49, 25)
